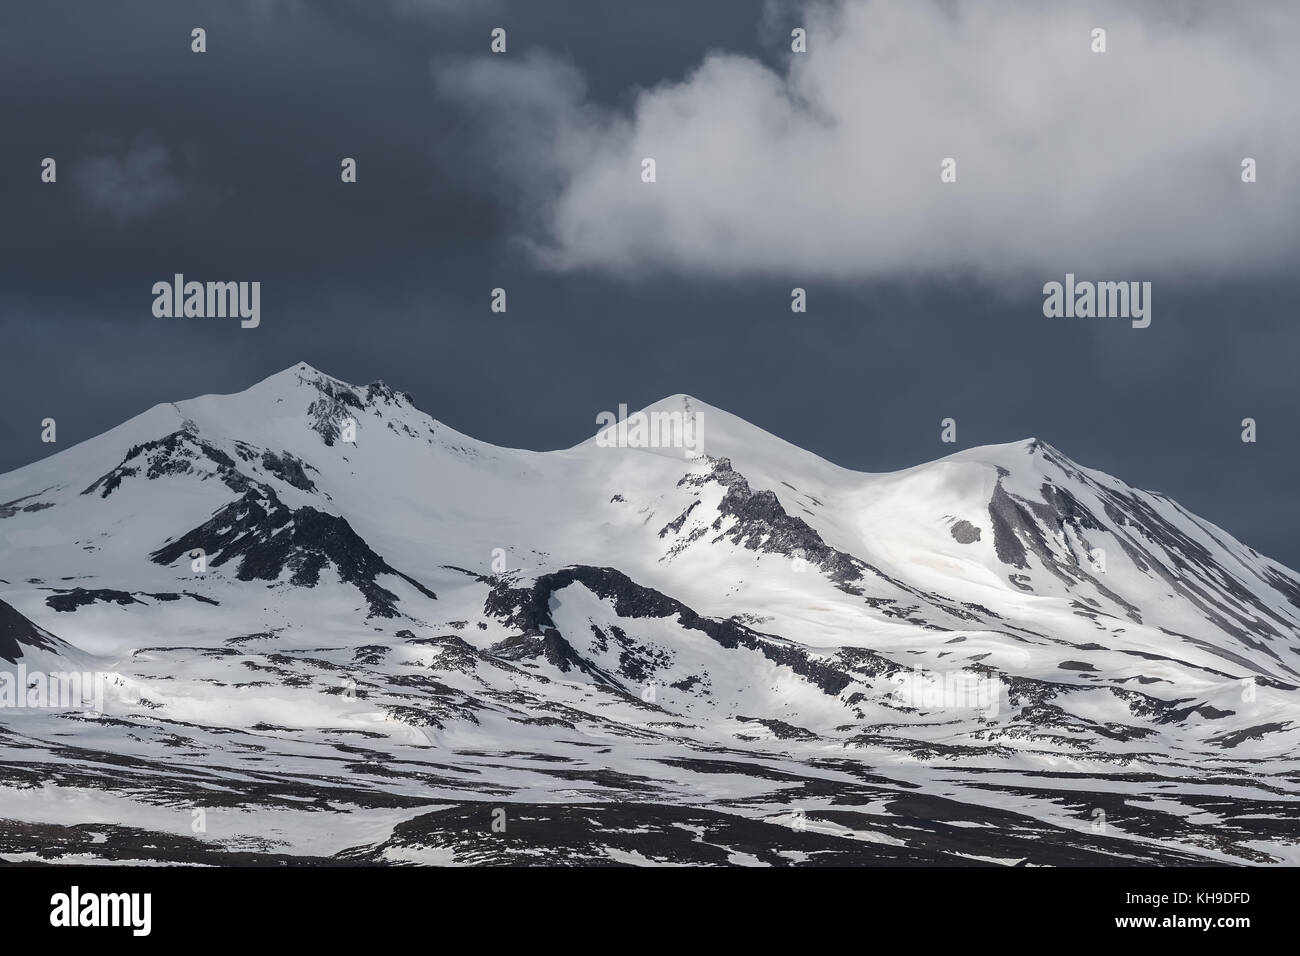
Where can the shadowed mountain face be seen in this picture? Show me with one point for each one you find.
(18, 634)
(347, 633)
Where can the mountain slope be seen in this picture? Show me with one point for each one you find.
(319, 581)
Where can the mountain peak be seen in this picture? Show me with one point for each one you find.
(1023, 453)
(302, 375)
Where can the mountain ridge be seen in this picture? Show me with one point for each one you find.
(306, 561)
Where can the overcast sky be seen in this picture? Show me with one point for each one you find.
(774, 170)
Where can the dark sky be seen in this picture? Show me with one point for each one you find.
(225, 165)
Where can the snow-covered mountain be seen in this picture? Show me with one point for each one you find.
(326, 626)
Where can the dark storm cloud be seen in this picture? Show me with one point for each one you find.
(225, 165)
(133, 181)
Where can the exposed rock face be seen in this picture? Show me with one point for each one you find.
(180, 453)
(269, 540)
(17, 633)
(529, 610)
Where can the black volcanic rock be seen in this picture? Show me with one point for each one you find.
(268, 539)
(70, 600)
(288, 469)
(529, 609)
(16, 632)
(174, 454)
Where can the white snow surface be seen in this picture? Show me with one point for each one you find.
(1125, 651)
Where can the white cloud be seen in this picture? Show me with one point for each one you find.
(1124, 161)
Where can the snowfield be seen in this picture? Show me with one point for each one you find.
(418, 648)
